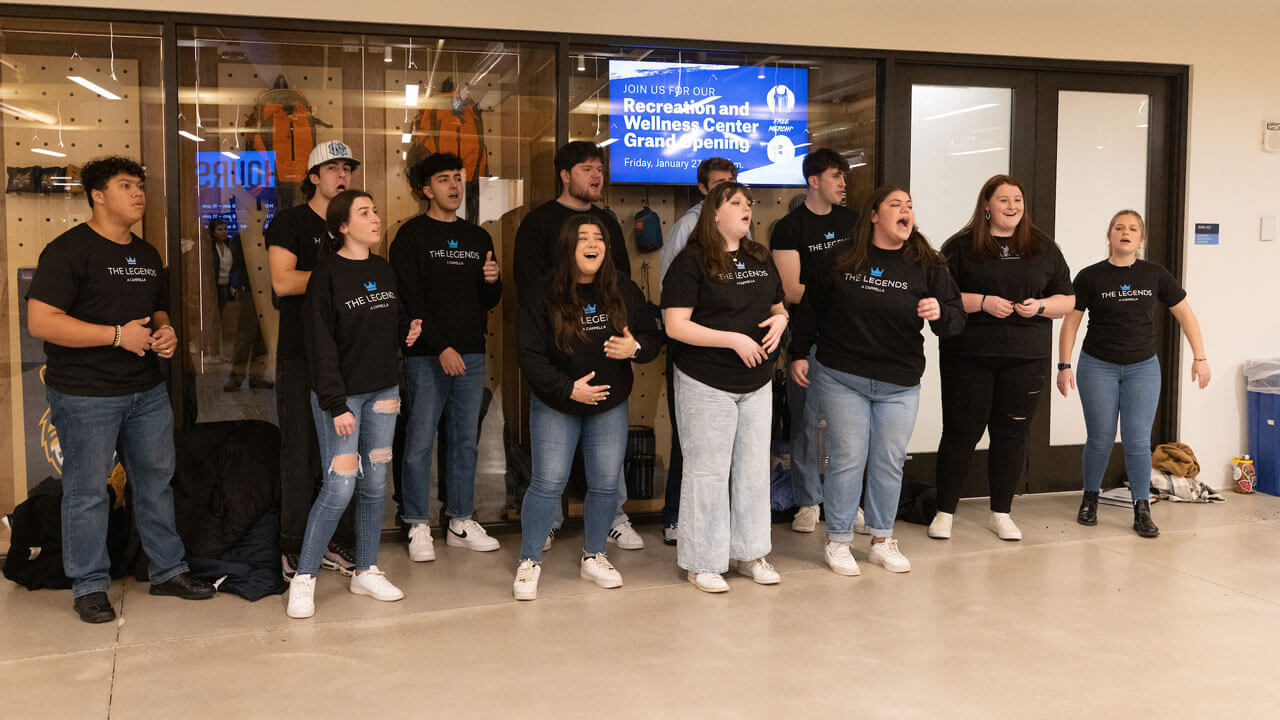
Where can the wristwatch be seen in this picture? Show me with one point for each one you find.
(1041, 310)
(1064, 366)
(636, 352)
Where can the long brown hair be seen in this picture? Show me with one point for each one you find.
(853, 256)
(706, 239)
(566, 305)
(338, 213)
(1025, 240)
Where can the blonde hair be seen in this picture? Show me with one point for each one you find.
(1142, 227)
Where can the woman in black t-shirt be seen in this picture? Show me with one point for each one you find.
(353, 325)
(1013, 281)
(722, 300)
(579, 331)
(865, 309)
(1119, 370)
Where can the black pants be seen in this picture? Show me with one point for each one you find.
(675, 464)
(300, 476)
(995, 394)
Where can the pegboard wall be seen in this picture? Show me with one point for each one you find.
(67, 118)
(237, 87)
(401, 204)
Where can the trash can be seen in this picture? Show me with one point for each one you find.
(1262, 380)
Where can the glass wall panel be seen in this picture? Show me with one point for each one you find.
(659, 112)
(1102, 168)
(959, 138)
(255, 103)
(70, 92)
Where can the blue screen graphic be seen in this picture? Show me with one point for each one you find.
(665, 118)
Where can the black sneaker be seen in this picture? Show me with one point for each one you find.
(340, 558)
(186, 586)
(670, 533)
(288, 565)
(94, 608)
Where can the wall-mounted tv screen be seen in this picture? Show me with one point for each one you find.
(665, 118)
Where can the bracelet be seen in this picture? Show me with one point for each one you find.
(982, 302)
(175, 332)
(116, 343)
(1200, 360)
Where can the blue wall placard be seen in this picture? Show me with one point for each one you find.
(1206, 233)
(667, 117)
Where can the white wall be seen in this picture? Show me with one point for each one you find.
(1229, 44)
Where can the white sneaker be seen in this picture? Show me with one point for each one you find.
(600, 571)
(302, 596)
(626, 537)
(760, 570)
(526, 584)
(887, 555)
(940, 528)
(1002, 525)
(806, 519)
(860, 524)
(374, 583)
(840, 559)
(469, 534)
(708, 582)
(421, 547)
(551, 535)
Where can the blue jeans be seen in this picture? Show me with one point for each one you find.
(806, 487)
(1131, 393)
(553, 437)
(868, 425)
(91, 431)
(370, 443)
(431, 393)
(723, 519)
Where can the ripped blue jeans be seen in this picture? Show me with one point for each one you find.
(356, 461)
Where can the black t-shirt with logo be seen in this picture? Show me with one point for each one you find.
(300, 231)
(866, 324)
(1122, 303)
(539, 231)
(354, 325)
(101, 282)
(737, 301)
(440, 268)
(551, 371)
(1015, 279)
(812, 235)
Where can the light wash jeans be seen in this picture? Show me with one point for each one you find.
(553, 438)
(1131, 393)
(431, 394)
(375, 426)
(720, 433)
(868, 425)
(92, 430)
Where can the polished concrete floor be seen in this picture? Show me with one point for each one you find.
(1072, 622)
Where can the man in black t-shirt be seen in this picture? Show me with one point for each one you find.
(449, 279)
(580, 179)
(99, 300)
(798, 242)
(293, 241)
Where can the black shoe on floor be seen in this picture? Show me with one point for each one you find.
(1142, 523)
(1088, 514)
(186, 586)
(94, 608)
(260, 383)
(670, 534)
